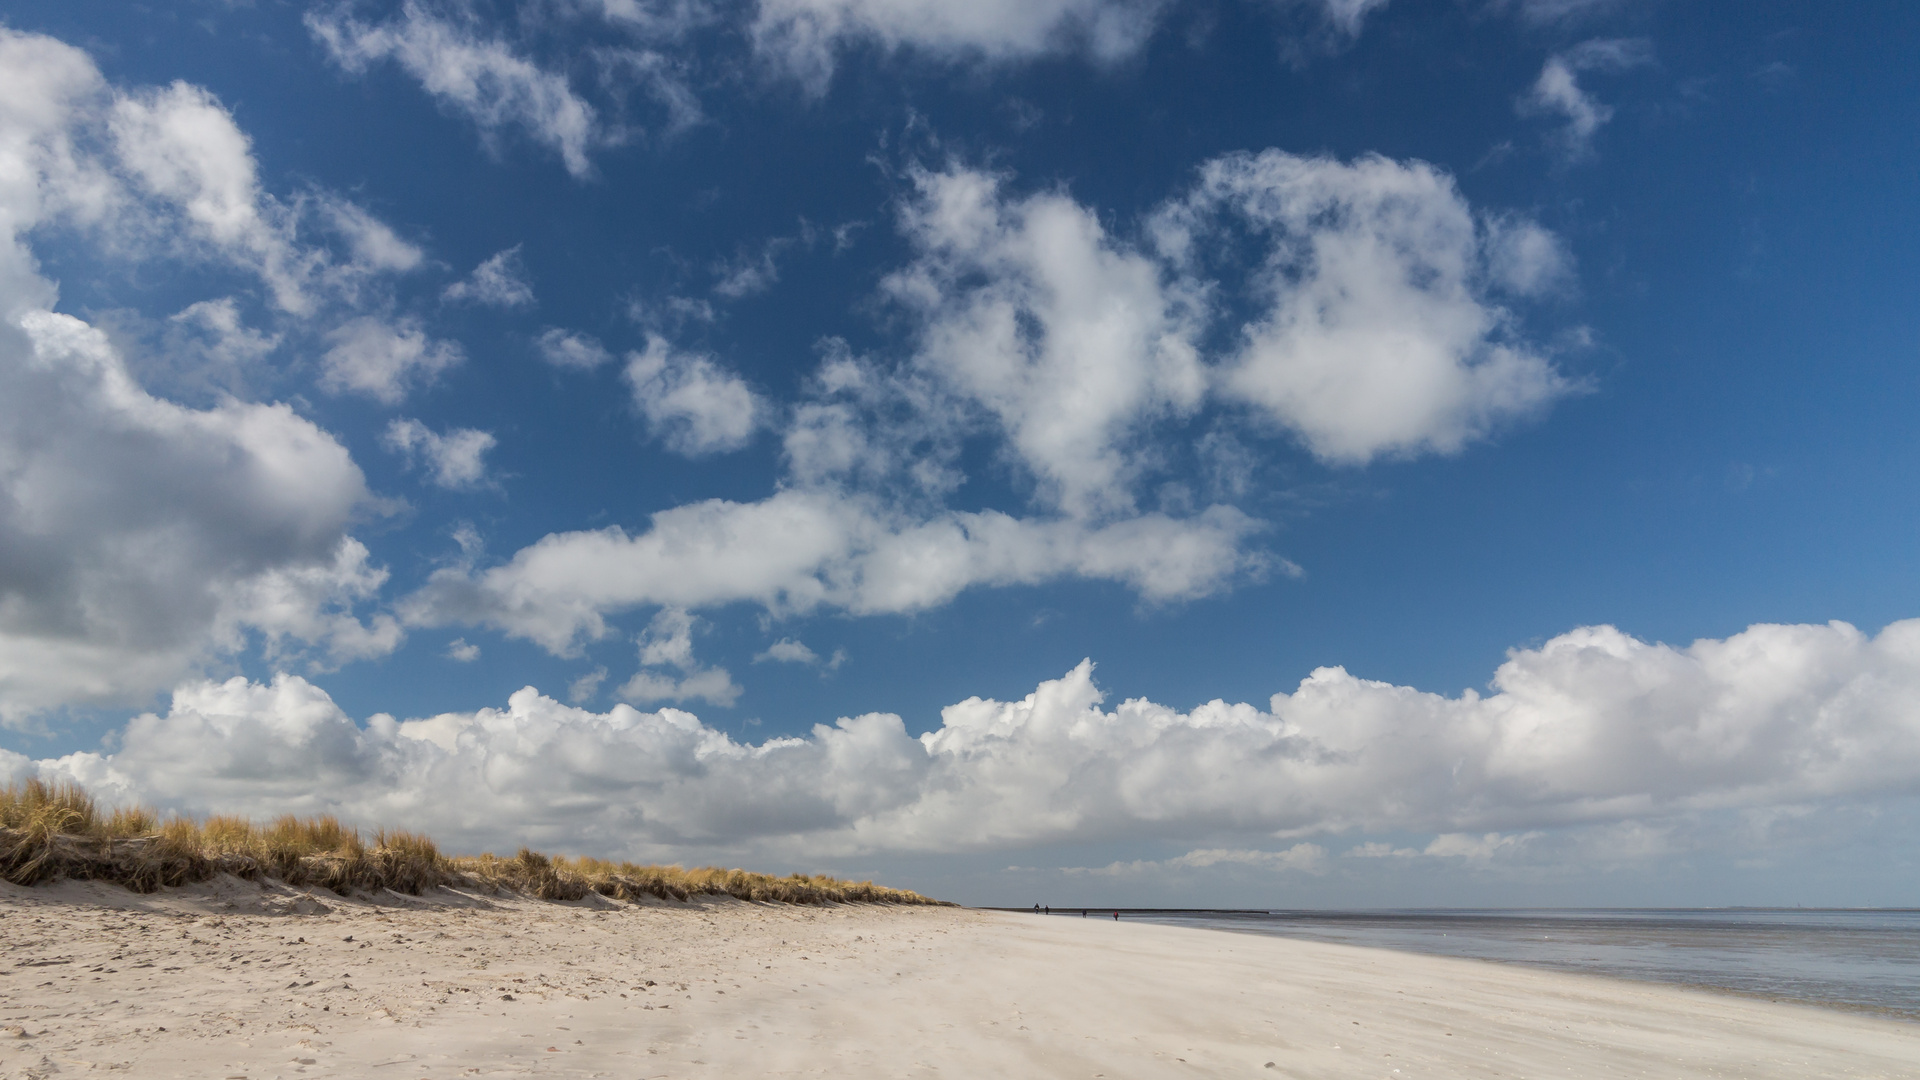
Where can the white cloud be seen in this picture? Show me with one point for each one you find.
(748, 275)
(1557, 91)
(872, 429)
(1525, 259)
(1348, 15)
(668, 642)
(149, 172)
(1482, 848)
(801, 37)
(1592, 729)
(182, 146)
(788, 651)
(460, 651)
(1557, 12)
(500, 281)
(311, 603)
(586, 686)
(484, 79)
(380, 359)
(1030, 320)
(1304, 858)
(1376, 338)
(455, 461)
(1029, 311)
(141, 171)
(653, 19)
(793, 651)
(375, 245)
(712, 685)
(225, 341)
(690, 402)
(798, 550)
(139, 537)
(577, 352)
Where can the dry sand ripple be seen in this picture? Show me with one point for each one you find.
(236, 980)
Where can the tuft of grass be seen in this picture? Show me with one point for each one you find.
(54, 831)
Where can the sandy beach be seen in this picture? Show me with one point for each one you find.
(231, 979)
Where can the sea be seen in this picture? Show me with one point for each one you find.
(1858, 960)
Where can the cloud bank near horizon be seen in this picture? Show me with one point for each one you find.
(1593, 732)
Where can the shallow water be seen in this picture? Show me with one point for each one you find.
(1851, 959)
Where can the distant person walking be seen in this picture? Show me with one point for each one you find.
(1116, 916)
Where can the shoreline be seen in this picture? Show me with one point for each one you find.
(1679, 930)
(276, 982)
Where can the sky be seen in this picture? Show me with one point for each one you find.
(1306, 453)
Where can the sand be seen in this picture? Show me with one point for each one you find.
(232, 980)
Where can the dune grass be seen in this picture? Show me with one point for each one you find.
(53, 831)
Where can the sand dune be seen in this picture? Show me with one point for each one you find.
(231, 980)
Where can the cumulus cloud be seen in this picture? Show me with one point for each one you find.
(568, 350)
(381, 359)
(789, 651)
(182, 146)
(802, 37)
(1377, 337)
(1071, 341)
(875, 429)
(500, 281)
(148, 172)
(798, 550)
(1374, 331)
(668, 642)
(793, 651)
(138, 537)
(483, 78)
(165, 172)
(1557, 92)
(690, 402)
(455, 461)
(460, 651)
(1594, 728)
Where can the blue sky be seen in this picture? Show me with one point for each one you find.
(721, 370)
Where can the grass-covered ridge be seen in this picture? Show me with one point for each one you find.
(53, 831)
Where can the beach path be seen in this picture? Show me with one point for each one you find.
(233, 980)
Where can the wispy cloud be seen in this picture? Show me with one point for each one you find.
(479, 76)
(499, 281)
(1557, 92)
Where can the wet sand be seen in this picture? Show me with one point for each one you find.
(232, 980)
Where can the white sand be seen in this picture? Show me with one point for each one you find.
(90, 975)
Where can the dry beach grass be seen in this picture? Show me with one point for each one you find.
(50, 832)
